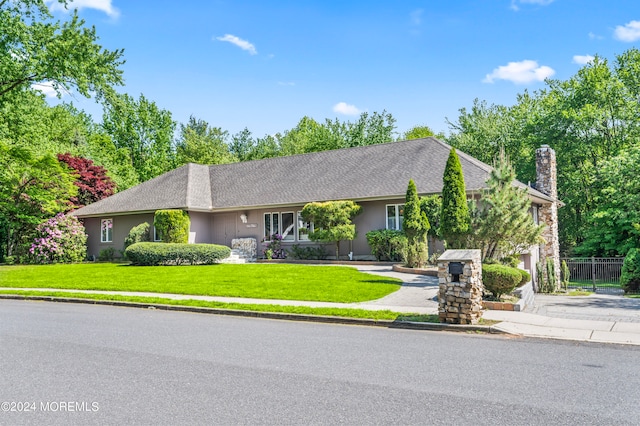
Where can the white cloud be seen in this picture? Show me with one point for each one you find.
(628, 32)
(102, 5)
(46, 87)
(286, 83)
(242, 44)
(594, 36)
(522, 72)
(582, 59)
(345, 109)
(515, 3)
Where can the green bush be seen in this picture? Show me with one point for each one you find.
(526, 277)
(173, 225)
(149, 254)
(630, 276)
(500, 279)
(565, 274)
(106, 255)
(60, 239)
(513, 260)
(305, 253)
(138, 234)
(387, 244)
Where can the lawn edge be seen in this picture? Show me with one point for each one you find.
(269, 315)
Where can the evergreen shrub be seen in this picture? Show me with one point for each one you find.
(630, 276)
(173, 225)
(500, 279)
(526, 277)
(305, 253)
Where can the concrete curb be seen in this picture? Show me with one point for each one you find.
(272, 315)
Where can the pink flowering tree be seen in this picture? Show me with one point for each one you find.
(60, 239)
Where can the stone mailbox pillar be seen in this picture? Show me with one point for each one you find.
(461, 288)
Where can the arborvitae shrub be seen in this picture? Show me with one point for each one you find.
(173, 225)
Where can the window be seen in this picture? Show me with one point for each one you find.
(156, 234)
(106, 230)
(395, 213)
(304, 228)
(289, 225)
(271, 225)
(288, 233)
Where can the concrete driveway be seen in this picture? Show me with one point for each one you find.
(599, 307)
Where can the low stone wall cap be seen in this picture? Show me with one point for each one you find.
(468, 254)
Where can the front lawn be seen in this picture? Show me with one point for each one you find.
(262, 281)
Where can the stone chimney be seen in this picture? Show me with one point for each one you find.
(548, 213)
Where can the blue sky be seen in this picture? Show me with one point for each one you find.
(264, 64)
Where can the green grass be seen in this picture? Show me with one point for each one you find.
(589, 284)
(261, 281)
(329, 312)
(579, 293)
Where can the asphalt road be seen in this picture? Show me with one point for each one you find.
(83, 364)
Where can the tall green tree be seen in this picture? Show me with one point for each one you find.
(613, 228)
(144, 130)
(415, 226)
(421, 131)
(202, 144)
(370, 129)
(32, 189)
(588, 119)
(309, 136)
(503, 225)
(36, 48)
(265, 147)
(242, 143)
(454, 218)
(117, 161)
(485, 129)
(332, 221)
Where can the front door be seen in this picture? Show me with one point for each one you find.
(224, 229)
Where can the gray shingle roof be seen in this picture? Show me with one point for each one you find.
(369, 172)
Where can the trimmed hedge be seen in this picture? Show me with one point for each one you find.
(500, 279)
(150, 254)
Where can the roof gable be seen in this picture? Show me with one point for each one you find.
(178, 189)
